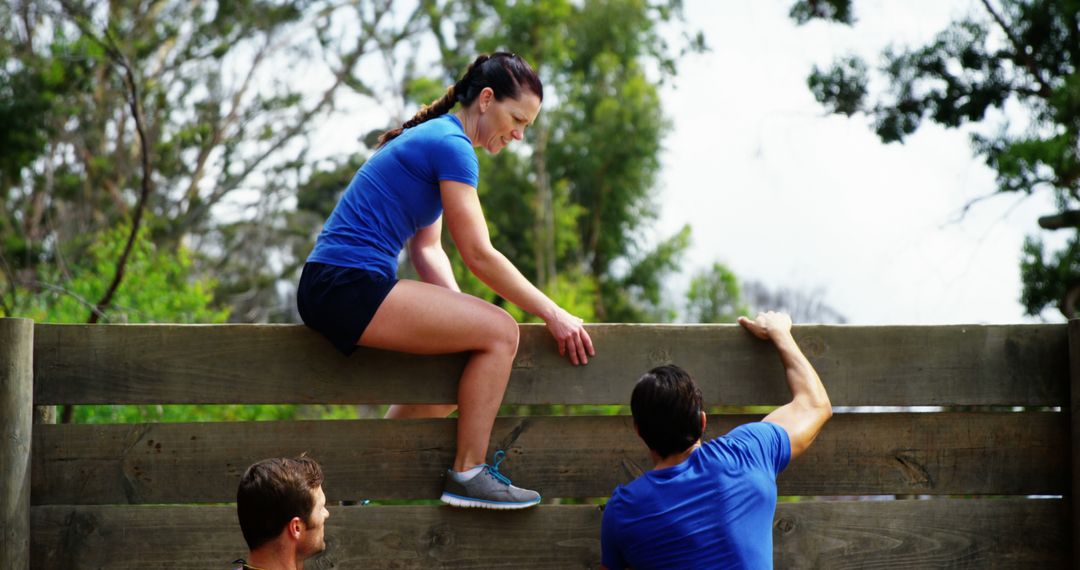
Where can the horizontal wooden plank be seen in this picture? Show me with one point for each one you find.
(982, 533)
(857, 454)
(69, 538)
(948, 533)
(861, 366)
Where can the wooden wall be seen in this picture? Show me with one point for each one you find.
(984, 484)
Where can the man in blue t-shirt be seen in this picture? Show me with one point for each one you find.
(710, 505)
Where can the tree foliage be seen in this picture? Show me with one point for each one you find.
(225, 124)
(164, 290)
(714, 296)
(1021, 51)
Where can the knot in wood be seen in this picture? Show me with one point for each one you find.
(813, 346)
(439, 536)
(524, 360)
(785, 525)
(660, 355)
(912, 470)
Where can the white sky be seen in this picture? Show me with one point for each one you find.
(786, 194)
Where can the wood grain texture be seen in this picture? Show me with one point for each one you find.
(861, 366)
(1074, 417)
(856, 454)
(16, 416)
(357, 537)
(1008, 533)
(956, 533)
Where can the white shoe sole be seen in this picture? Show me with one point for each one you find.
(456, 501)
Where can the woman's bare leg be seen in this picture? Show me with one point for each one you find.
(421, 318)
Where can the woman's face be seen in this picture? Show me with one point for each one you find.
(505, 121)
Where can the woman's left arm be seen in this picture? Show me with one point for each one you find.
(465, 220)
(430, 259)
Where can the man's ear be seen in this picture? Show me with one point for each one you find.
(295, 527)
(704, 422)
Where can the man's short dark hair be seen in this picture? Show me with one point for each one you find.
(666, 404)
(272, 492)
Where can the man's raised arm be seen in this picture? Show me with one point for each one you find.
(809, 409)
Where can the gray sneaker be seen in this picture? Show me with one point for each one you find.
(489, 489)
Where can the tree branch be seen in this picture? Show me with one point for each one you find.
(348, 64)
(56, 288)
(118, 58)
(224, 124)
(967, 206)
(1021, 55)
(1068, 219)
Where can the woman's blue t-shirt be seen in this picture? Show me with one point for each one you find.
(394, 194)
(714, 510)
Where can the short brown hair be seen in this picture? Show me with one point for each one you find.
(666, 404)
(272, 492)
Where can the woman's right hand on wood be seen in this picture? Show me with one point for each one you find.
(571, 336)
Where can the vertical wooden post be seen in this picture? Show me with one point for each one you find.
(16, 411)
(1074, 420)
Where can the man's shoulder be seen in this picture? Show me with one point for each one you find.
(755, 431)
(762, 443)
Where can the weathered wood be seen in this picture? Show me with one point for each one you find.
(16, 394)
(996, 453)
(1006, 533)
(44, 414)
(977, 533)
(357, 537)
(857, 454)
(861, 366)
(1074, 374)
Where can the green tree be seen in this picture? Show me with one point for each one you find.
(164, 291)
(190, 111)
(1023, 51)
(714, 296)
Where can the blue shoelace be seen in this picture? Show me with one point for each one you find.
(499, 457)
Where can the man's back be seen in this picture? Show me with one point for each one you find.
(715, 509)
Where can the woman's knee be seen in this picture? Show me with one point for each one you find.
(505, 334)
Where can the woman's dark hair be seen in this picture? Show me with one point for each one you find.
(505, 73)
(272, 492)
(666, 404)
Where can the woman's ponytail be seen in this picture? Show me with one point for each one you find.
(440, 106)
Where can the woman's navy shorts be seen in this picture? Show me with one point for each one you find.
(340, 302)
